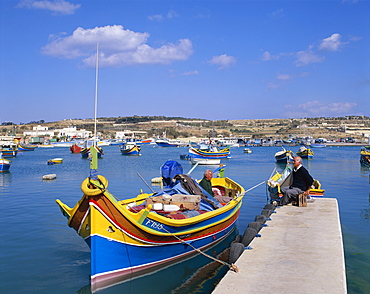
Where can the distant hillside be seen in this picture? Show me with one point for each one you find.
(175, 127)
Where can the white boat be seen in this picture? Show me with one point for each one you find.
(247, 150)
(205, 161)
(62, 144)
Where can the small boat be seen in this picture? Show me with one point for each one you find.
(133, 237)
(283, 179)
(45, 146)
(55, 161)
(147, 141)
(247, 150)
(205, 161)
(49, 177)
(365, 156)
(305, 152)
(75, 148)
(168, 143)
(208, 151)
(85, 152)
(317, 145)
(9, 150)
(130, 148)
(22, 147)
(284, 155)
(62, 144)
(4, 164)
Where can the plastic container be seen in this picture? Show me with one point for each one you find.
(170, 207)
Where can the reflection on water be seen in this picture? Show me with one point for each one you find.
(198, 274)
(365, 213)
(5, 179)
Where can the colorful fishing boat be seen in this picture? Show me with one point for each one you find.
(133, 237)
(4, 164)
(85, 152)
(208, 151)
(55, 161)
(130, 148)
(283, 179)
(9, 150)
(305, 152)
(365, 156)
(22, 147)
(284, 155)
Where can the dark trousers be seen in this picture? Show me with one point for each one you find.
(289, 194)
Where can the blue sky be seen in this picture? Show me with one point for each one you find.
(198, 59)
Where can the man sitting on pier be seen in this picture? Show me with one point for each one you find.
(301, 183)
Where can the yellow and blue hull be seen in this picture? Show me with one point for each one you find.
(199, 153)
(135, 150)
(126, 244)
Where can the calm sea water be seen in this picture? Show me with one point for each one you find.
(39, 253)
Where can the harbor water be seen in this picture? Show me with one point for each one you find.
(39, 253)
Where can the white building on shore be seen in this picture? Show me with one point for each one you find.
(71, 132)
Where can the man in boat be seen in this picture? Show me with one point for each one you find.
(301, 183)
(206, 181)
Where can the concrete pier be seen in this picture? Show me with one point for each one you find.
(300, 251)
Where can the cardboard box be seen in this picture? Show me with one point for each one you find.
(156, 199)
(186, 205)
(186, 198)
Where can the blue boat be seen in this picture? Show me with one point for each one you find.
(4, 164)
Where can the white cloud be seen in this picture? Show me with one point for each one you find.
(331, 43)
(172, 14)
(318, 109)
(308, 56)
(222, 61)
(277, 13)
(156, 17)
(191, 73)
(117, 47)
(159, 17)
(57, 6)
(272, 85)
(266, 56)
(284, 77)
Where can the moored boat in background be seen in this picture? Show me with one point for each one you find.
(9, 150)
(365, 156)
(130, 148)
(4, 164)
(305, 152)
(55, 161)
(284, 155)
(22, 147)
(75, 148)
(208, 151)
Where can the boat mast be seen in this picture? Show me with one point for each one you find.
(93, 149)
(96, 89)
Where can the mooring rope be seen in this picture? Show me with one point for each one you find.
(231, 266)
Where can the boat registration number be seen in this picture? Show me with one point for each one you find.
(152, 224)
